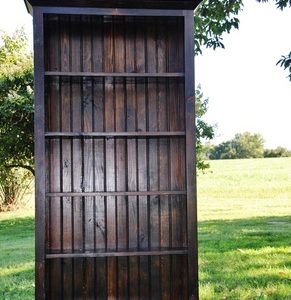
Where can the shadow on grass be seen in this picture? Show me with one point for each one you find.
(245, 258)
(254, 233)
(239, 259)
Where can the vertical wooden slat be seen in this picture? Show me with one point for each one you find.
(54, 155)
(163, 160)
(190, 154)
(110, 156)
(66, 161)
(88, 180)
(120, 155)
(39, 154)
(99, 156)
(87, 100)
(143, 224)
(130, 58)
(153, 162)
(76, 154)
(98, 118)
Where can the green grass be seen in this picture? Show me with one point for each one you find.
(16, 256)
(17, 252)
(245, 229)
(244, 234)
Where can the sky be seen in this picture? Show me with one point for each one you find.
(246, 90)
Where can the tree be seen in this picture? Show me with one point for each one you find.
(16, 118)
(204, 131)
(248, 145)
(278, 152)
(212, 18)
(285, 60)
(244, 145)
(225, 150)
(16, 102)
(215, 17)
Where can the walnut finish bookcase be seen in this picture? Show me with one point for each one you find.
(114, 142)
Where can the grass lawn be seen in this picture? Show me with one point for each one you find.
(244, 234)
(245, 229)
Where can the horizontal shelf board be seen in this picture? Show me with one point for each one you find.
(181, 251)
(115, 134)
(104, 194)
(105, 74)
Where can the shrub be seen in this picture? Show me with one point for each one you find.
(14, 184)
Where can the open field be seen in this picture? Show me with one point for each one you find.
(244, 234)
(245, 229)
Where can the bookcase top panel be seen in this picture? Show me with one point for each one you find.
(146, 4)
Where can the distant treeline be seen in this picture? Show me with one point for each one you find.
(244, 145)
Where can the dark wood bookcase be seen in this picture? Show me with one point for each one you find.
(114, 148)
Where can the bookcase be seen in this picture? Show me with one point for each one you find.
(114, 147)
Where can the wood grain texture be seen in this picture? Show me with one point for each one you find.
(117, 150)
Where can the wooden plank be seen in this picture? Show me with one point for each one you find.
(190, 154)
(153, 162)
(54, 286)
(164, 158)
(40, 169)
(97, 44)
(177, 145)
(180, 283)
(88, 155)
(110, 158)
(104, 194)
(144, 277)
(153, 252)
(142, 143)
(98, 126)
(109, 11)
(76, 111)
(120, 156)
(111, 74)
(54, 154)
(166, 4)
(101, 282)
(99, 155)
(66, 158)
(132, 205)
(143, 223)
(116, 134)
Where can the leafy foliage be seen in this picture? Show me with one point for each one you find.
(16, 118)
(14, 183)
(278, 152)
(16, 102)
(244, 145)
(215, 17)
(281, 4)
(285, 62)
(204, 131)
(212, 18)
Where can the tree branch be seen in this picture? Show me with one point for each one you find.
(29, 168)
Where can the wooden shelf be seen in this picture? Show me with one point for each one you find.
(179, 251)
(106, 194)
(115, 134)
(105, 74)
